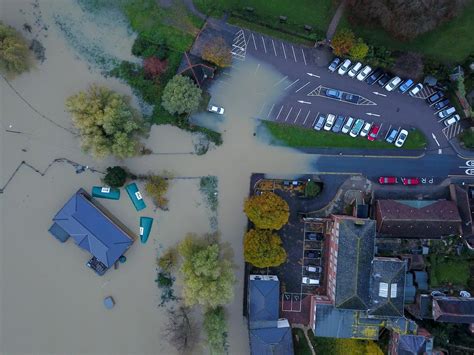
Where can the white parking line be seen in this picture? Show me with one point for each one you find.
(269, 112)
(283, 46)
(302, 86)
(294, 55)
(288, 113)
(315, 118)
(264, 46)
(304, 122)
(254, 43)
(281, 108)
(274, 49)
(304, 58)
(258, 66)
(298, 115)
(279, 81)
(263, 106)
(294, 82)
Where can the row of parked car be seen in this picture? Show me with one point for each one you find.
(392, 180)
(445, 111)
(358, 127)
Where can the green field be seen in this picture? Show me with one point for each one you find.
(451, 42)
(298, 137)
(448, 270)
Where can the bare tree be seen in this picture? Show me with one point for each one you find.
(180, 330)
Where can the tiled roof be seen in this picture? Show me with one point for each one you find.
(453, 309)
(271, 340)
(263, 300)
(414, 344)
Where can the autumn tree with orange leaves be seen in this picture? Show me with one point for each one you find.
(262, 248)
(267, 211)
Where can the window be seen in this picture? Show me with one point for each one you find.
(383, 289)
(393, 290)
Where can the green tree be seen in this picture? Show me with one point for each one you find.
(215, 326)
(262, 248)
(168, 260)
(312, 189)
(208, 278)
(181, 95)
(156, 187)
(218, 52)
(267, 210)
(359, 50)
(343, 41)
(107, 124)
(115, 176)
(14, 54)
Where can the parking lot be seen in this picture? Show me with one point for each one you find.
(305, 79)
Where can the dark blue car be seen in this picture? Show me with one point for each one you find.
(338, 124)
(441, 104)
(435, 97)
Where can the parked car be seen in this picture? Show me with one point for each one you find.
(441, 104)
(318, 269)
(374, 76)
(333, 93)
(313, 236)
(392, 135)
(347, 126)
(451, 120)
(310, 281)
(383, 80)
(388, 180)
(364, 73)
(446, 112)
(355, 69)
(350, 97)
(405, 86)
(312, 254)
(410, 181)
(216, 109)
(366, 129)
(329, 122)
(338, 124)
(320, 122)
(359, 123)
(334, 64)
(435, 98)
(415, 90)
(343, 69)
(393, 83)
(402, 137)
(374, 132)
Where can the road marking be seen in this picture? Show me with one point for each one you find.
(263, 106)
(254, 43)
(297, 116)
(470, 163)
(304, 102)
(307, 115)
(279, 81)
(378, 93)
(311, 74)
(258, 66)
(440, 151)
(294, 82)
(264, 46)
(315, 118)
(434, 137)
(274, 49)
(283, 46)
(288, 113)
(304, 58)
(294, 55)
(269, 112)
(281, 108)
(372, 114)
(302, 86)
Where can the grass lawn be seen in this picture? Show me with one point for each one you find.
(467, 137)
(451, 42)
(445, 270)
(343, 346)
(300, 344)
(293, 136)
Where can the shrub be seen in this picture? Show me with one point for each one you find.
(215, 326)
(145, 48)
(181, 95)
(14, 54)
(343, 41)
(115, 176)
(409, 65)
(262, 248)
(164, 280)
(156, 187)
(267, 211)
(218, 52)
(167, 262)
(359, 50)
(312, 189)
(154, 67)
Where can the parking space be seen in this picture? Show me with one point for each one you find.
(291, 302)
(452, 131)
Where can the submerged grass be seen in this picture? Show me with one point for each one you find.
(208, 188)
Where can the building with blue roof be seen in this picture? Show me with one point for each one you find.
(93, 229)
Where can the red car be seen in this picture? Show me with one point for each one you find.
(374, 131)
(410, 181)
(385, 180)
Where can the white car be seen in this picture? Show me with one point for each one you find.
(309, 281)
(344, 67)
(348, 125)
(415, 90)
(364, 73)
(451, 120)
(365, 130)
(393, 83)
(216, 109)
(446, 113)
(402, 137)
(355, 69)
(329, 122)
(317, 269)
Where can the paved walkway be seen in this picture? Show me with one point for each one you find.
(190, 5)
(335, 20)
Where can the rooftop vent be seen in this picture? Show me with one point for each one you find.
(393, 291)
(383, 289)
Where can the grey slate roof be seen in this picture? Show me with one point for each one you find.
(414, 345)
(263, 300)
(354, 259)
(453, 309)
(387, 287)
(271, 340)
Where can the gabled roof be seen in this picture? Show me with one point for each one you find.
(271, 340)
(417, 219)
(91, 229)
(264, 297)
(414, 345)
(453, 309)
(387, 287)
(354, 259)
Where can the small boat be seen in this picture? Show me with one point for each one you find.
(110, 193)
(145, 228)
(135, 196)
